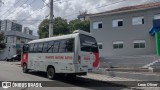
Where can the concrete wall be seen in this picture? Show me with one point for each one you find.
(127, 33)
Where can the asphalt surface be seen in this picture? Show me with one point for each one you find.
(9, 72)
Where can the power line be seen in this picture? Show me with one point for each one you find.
(10, 8)
(96, 8)
(101, 7)
(26, 7)
(56, 1)
(38, 11)
(73, 13)
(22, 20)
(32, 14)
(45, 3)
(64, 1)
(26, 20)
(19, 6)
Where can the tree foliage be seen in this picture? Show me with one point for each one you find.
(2, 37)
(61, 27)
(43, 29)
(78, 24)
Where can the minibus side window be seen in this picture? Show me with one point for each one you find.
(70, 45)
(35, 48)
(45, 47)
(50, 46)
(40, 47)
(31, 48)
(62, 47)
(56, 46)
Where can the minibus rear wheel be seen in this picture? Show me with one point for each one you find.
(51, 73)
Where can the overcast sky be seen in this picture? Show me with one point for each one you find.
(31, 12)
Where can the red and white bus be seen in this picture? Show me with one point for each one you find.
(74, 54)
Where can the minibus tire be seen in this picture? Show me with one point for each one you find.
(25, 69)
(51, 73)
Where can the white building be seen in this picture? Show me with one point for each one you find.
(27, 30)
(14, 38)
(7, 25)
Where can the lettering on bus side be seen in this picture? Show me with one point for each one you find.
(60, 57)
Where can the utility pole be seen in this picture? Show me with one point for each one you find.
(51, 19)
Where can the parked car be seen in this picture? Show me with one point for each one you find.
(15, 57)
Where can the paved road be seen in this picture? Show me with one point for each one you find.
(13, 72)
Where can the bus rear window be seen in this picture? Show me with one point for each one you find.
(88, 43)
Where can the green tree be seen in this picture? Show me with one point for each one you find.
(60, 27)
(79, 24)
(43, 29)
(2, 37)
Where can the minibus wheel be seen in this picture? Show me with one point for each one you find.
(51, 73)
(25, 69)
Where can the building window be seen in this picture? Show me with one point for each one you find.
(118, 45)
(139, 44)
(97, 25)
(137, 20)
(157, 16)
(117, 23)
(100, 45)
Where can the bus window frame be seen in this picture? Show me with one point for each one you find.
(51, 47)
(53, 41)
(38, 47)
(47, 42)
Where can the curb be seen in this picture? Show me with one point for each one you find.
(129, 75)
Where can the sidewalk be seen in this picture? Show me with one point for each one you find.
(118, 80)
(143, 76)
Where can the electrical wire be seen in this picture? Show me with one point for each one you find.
(10, 8)
(19, 6)
(25, 7)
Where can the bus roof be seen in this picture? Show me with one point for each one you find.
(75, 33)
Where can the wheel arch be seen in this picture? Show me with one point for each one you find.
(50, 66)
(24, 63)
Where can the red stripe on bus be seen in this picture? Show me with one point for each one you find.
(96, 62)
